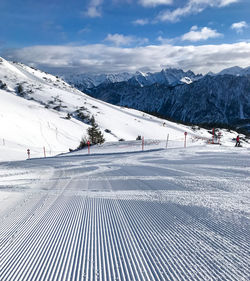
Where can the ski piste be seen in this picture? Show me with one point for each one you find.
(168, 214)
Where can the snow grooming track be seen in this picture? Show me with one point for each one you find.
(91, 226)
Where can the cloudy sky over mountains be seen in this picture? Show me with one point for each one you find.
(126, 35)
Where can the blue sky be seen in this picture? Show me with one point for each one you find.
(126, 35)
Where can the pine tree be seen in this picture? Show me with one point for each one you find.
(95, 135)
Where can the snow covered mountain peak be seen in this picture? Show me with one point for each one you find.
(235, 71)
(138, 73)
(174, 75)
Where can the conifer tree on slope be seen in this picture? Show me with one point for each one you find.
(95, 135)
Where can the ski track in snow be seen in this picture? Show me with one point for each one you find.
(143, 217)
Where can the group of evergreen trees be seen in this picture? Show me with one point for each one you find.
(95, 136)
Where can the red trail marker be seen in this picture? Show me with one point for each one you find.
(88, 147)
(185, 141)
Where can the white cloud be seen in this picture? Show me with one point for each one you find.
(119, 39)
(192, 7)
(239, 26)
(84, 30)
(165, 41)
(141, 22)
(94, 9)
(122, 40)
(101, 58)
(197, 35)
(154, 3)
(227, 2)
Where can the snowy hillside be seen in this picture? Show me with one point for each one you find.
(26, 124)
(33, 115)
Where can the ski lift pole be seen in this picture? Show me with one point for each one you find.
(167, 141)
(44, 152)
(185, 141)
(142, 143)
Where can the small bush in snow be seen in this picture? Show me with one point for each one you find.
(57, 107)
(3, 85)
(83, 143)
(20, 90)
(68, 116)
(82, 114)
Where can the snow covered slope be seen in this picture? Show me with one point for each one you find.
(34, 107)
(26, 124)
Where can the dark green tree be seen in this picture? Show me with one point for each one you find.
(95, 135)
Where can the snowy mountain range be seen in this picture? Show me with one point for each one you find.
(41, 112)
(89, 80)
(222, 98)
(169, 76)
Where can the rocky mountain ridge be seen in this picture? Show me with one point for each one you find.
(170, 76)
(221, 99)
